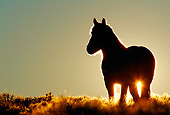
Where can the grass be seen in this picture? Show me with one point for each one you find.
(80, 105)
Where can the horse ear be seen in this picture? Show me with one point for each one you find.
(95, 21)
(104, 21)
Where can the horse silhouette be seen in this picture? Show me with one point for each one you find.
(121, 64)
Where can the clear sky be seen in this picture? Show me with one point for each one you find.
(43, 42)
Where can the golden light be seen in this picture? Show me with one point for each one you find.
(139, 87)
(117, 90)
(117, 93)
(129, 98)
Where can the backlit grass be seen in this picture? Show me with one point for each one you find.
(80, 105)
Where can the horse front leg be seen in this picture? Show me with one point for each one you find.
(123, 93)
(110, 88)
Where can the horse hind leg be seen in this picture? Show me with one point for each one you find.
(134, 92)
(145, 93)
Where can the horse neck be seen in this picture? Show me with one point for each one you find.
(113, 48)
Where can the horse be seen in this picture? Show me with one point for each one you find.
(120, 64)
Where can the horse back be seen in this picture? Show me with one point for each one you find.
(139, 54)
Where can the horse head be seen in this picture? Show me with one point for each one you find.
(98, 40)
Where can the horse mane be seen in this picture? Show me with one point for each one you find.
(114, 39)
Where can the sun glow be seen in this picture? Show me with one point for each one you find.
(117, 93)
(139, 87)
(117, 90)
(129, 98)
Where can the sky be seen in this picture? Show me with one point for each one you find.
(43, 43)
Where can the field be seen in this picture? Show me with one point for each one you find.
(80, 105)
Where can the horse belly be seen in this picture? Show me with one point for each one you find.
(119, 77)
